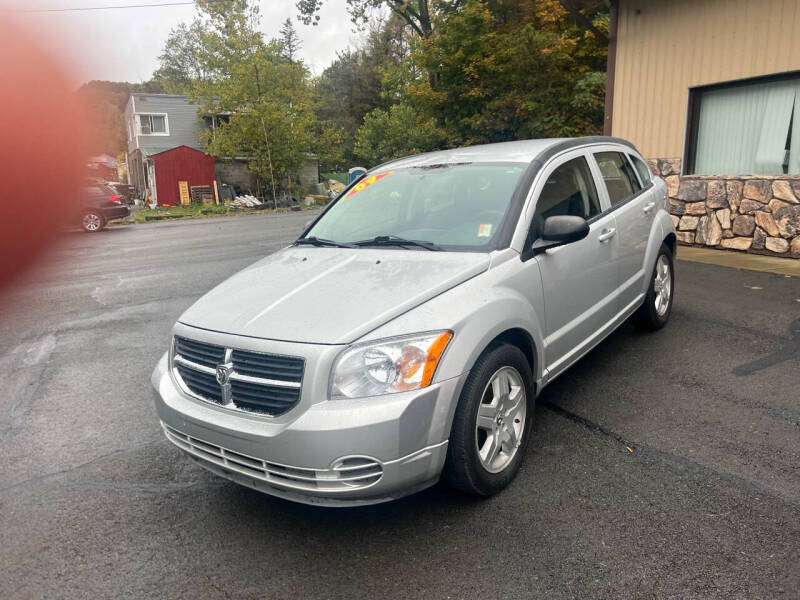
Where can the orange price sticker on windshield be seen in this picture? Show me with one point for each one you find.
(365, 183)
(485, 230)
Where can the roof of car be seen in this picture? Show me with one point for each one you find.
(523, 151)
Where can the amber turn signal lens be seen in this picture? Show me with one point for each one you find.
(434, 354)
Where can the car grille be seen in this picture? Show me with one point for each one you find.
(345, 474)
(267, 384)
(263, 398)
(202, 354)
(268, 366)
(202, 384)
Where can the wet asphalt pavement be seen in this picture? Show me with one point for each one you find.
(662, 465)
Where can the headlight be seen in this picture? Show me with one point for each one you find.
(388, 366)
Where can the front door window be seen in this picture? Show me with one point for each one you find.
(569, 190)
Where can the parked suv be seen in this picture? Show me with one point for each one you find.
(406, 334)
(99, 204)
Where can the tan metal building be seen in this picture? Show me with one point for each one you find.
(665, 48)
(710, 90)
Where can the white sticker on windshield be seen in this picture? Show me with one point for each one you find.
(485, 230)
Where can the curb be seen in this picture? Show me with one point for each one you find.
(790, 267)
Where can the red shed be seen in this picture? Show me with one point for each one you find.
(181, 163)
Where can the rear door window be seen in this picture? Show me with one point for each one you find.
(621, 182)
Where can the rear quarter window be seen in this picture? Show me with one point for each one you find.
(642, 169)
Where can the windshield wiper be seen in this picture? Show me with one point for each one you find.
(393, 240)
(315, 241)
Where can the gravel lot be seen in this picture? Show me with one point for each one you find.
(662, 465)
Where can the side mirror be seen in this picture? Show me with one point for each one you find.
(560, 230)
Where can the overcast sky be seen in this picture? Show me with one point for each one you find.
(124, 44)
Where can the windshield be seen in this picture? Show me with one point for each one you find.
(456, 207)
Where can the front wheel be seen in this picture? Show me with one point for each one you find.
(92, 221)
(655, 311)
(492, 423)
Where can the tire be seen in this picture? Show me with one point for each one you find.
(469, 466)
(92, 221)
(654, 313)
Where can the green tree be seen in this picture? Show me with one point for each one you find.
(330, 147)
(400, 131)
(263, 103)
(291, 41)
(362, 79)
(181, 60)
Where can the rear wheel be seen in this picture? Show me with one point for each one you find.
(492, 423)
(92, 221)
(655, 311)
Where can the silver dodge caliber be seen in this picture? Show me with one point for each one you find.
(405, 335)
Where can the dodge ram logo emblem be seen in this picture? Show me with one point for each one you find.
(224, 381)
(224, 373)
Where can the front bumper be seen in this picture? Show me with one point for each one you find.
(335, 453)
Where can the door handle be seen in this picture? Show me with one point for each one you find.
(648, 207)
(606, 235)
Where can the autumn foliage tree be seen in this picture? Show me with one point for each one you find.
(496, 70)
(509, 71)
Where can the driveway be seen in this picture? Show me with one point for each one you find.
(662, 465)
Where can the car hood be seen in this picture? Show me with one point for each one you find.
(329, 295)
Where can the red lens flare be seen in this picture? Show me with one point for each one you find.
(43, 146)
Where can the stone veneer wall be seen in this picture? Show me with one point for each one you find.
(758, 214)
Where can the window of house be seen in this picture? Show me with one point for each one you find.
(152, 124)
(621, 181)
(214, 121)
(569, 190)
(747, 128)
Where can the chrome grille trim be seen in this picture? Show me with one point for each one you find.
(268, 366)
(346, 474)
(208, 355)
(263, 396)
(236, 376)
(193, 365)
(260, 380)
(201, 384)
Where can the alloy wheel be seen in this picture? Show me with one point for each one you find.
(91, 222)
(662, 285)
(501, 419)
